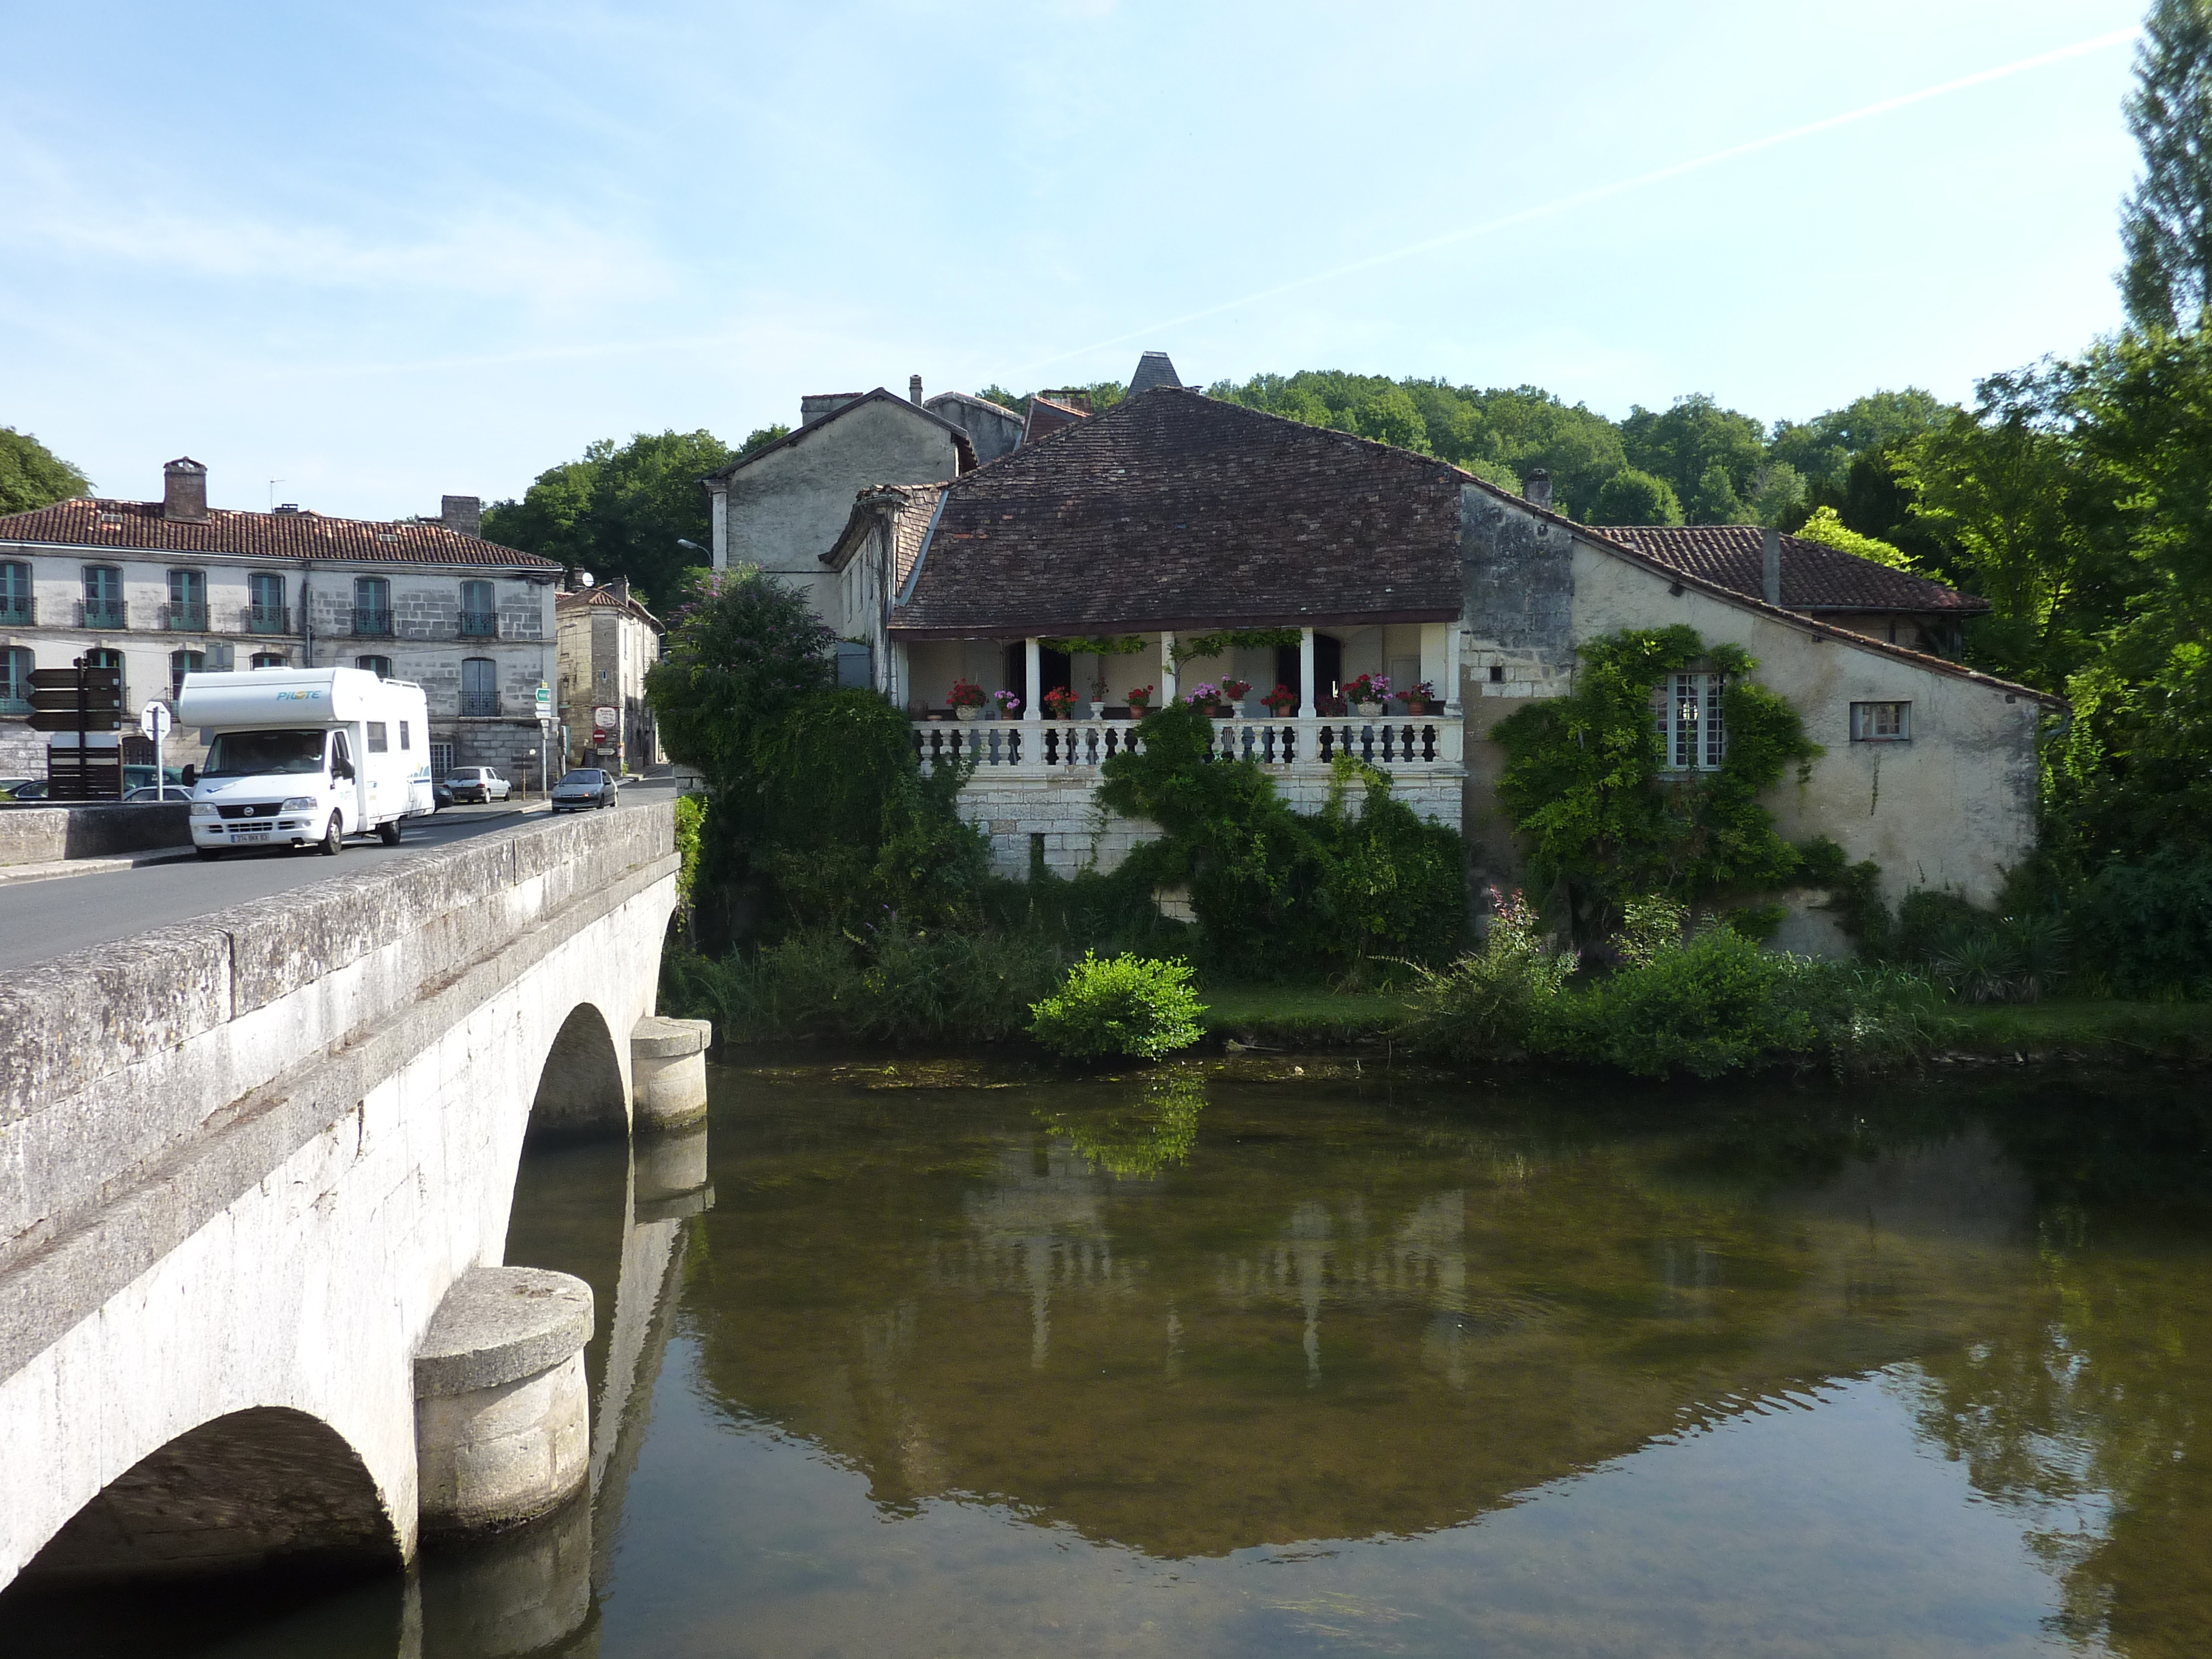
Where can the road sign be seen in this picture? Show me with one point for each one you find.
(604, 717)
(60, 680)
(544, 701)
(155, 720)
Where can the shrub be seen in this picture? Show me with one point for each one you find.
(1716, 1003)
(1648, 926)
(1481, 1006)
(1120, 1005)
(2146, 926)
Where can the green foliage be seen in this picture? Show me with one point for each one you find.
(1650, 925)
(1826, 527)
(1128, 1142)
(1601, 822)
(1277, 894)
(2167, 225)
(1098, 645)
(1632, 496)
(1709, 455)
(1482, 1007)
(691, 822)
(32, 475)
(1120, 1005)
(1823, 449)
(619, 510)
(2147, 925)
(1196, 645)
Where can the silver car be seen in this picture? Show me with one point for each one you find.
(479, 783)
(585, 786)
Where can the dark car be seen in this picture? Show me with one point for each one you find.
(586, 785)
(34, 789)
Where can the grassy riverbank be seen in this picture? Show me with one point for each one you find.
(1306, 1016)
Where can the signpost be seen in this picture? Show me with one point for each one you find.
(81, 701)
(544, 734)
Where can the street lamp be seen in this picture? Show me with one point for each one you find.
(685, 542)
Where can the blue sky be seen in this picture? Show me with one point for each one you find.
(385, 252)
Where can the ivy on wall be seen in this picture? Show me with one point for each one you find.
(1234, 639)
(1602, 822)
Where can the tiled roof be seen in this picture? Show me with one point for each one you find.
(963, 446)
(909, 508)
(1153, 368)
(1172, 510)
(1048, 416)
(139, 526)
(1814, 576)
(603, 598)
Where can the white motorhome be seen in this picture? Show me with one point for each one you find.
(304, 757)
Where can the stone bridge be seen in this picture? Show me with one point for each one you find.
(256, 1173)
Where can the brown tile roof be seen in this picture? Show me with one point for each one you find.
(963, 446)
(1172, 510)
(1814, 576)
(603, 597)
(138, 526)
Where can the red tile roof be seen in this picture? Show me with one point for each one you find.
(1173, 510)
(138, 526)
(1814, 576)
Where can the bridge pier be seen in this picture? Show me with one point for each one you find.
(668, 1071)
(502, 1416)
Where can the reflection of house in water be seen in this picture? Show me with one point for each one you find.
(1279, 1343)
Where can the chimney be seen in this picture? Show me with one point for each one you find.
(462, 512)
(1536, 489)
(1770, 567)
(913, 389)
(619, 588)
(183, 491)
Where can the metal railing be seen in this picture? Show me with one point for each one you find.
(267, 619)
(479, 705)
(181, 618)
(15, 705)
(103, 613)
(18, 613)
(371, 622)
(479, 625)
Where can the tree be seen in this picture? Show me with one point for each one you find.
(1708, 453)
(743, 649)
(1823, 448)
(32, 475)
(621, 512)
(1826, 527)
(2166, 228)
(1632, 496)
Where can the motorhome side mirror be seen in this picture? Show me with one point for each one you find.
(191, 775)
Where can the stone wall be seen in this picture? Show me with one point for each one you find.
(40, 834)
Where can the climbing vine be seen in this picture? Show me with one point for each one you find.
(1234, 639)
(1602, 822)
(1098, 645)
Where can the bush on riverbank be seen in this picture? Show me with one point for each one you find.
(1120, 1005)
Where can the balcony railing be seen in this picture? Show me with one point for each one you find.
(15, 705)
(267, 619)
(371, 622)
(1396, 743)
(180, 618)
(103, 613)
(18, 613)
(479, 705)
(479, 625)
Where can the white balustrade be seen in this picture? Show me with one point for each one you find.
(1395, 742)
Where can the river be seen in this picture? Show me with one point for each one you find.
(1287, 1357)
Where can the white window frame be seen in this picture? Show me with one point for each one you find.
(1686, 714)
(1868, 720)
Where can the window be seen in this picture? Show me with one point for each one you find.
(1882, 722)
(1686, 712)
(267, 614)
(371, 605)
(182, 663)
(379, 667)
(378, 745)
(479, 616)
(403, 737)
(16, 610)
(15, 665)
(269, 659)
(188, 601)
(479, 687)
(103, 596)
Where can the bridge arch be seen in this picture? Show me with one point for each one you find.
(268, 1487)
(583, 1085)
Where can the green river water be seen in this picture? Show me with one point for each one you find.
(947, 1360)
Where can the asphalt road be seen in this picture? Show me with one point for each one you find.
(42, 919)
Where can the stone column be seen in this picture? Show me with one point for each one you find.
(1452, 693)
(1307, 708)
(668, 1071)
(670, 1174)
(502, 1415)
(1032, 673)
(1167, 670)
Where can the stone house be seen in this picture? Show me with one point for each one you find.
(606, 641)
(162, 589)
(1172, 520)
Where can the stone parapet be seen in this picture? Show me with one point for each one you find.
(43, 834)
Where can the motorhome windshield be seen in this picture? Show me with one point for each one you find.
(253, 754)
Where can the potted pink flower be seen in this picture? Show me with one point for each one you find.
(1423, 700)
(1007, 703)
(1366, 694)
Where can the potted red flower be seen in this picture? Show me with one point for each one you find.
(967, 700)
(1233, 693)
(1423, 700)
(1282, 702)
(1060, 703)
(1366, 694)
(1140, 702)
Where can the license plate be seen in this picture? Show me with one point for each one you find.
(249, 834)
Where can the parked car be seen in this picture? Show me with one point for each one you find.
(479, 783)
(440, 795)
(586, 785)
(9, 786)
(34, 789)
(158, 792)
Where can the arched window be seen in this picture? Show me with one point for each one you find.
(379, 667)
(17, 609)
(15, 665)
(479, 687)
(182, 663)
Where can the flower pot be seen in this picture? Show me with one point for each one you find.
(967, 713)
(1097, 711)
(1368, 711)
